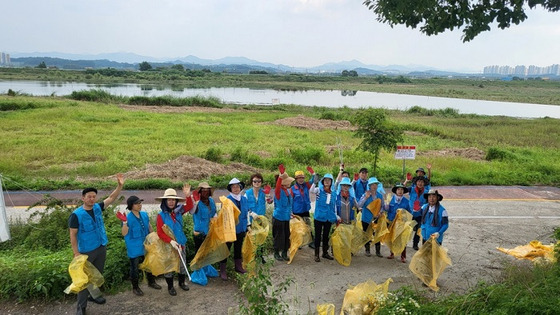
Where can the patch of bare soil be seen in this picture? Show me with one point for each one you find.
(176, 109)
(188, 167)
(414, 133)
(468, 153)
(303, 122)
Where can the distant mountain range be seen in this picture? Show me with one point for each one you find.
(230, 64)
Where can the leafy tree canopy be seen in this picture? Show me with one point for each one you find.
(144, 66)
(437, 16)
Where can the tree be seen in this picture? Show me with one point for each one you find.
(437, 16)
(42, 65)
(144, 66)
(376, 132)
(179, 67)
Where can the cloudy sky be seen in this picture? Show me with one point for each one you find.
(300, 33)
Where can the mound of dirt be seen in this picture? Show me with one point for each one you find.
(188, 168)
(468, 153)
(304, 122)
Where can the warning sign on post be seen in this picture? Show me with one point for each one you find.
(405, 152)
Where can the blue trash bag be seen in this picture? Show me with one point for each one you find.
(199, 277)
(210, 271)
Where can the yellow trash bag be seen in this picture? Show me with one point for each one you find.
(429, 262)
(83, 273)
(380, 228)
(222, 228)
(365, 298)
(325, 309)
(359, 237)
(534, 251)
(160, 257)
(300, 234)
(341, 241)
(400, 232)
(375, 207)
(256, 237)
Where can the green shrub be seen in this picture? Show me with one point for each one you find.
(307, 155)
(213, 154)
(94, 96)
(499, 154)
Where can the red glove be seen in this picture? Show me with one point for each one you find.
(121, 216)
(196, 195)
(281, 168)
(310, 170)
(267, 189)
(356, 176)
(416, 206)
(408, 176)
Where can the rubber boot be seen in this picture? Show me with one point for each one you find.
(285, 255)
(277, 255)
(317, 259)
(239, 266)
(223, 272)
(368, 252)
(135, 288)
(403, 256)
(378, 250)
(415, 241)
(326, 253)
(170, 287)
(152, 281)
(182, 283)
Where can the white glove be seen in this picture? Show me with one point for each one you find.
(175, 244)
(215, 215)
(253, 215)
(338, 218)
(436, 234)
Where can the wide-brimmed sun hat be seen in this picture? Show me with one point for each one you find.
(346, 181)
(235, 181)
(204, 185)
(399, 185)
(433, 192)
(170, 193)
(286, 179)
(373, 180)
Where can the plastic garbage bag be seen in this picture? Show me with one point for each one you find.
(400, 232)
(534, 251)
(160, 257)
(253, 239)
(341, 241)
(83, 274)
(199, 277)
(300, 234)
(360, 237)
(210, 271)
(248, 251)
(380, 228)
(227, 220)
(325, 309)
(375, 207)
(365, 298)
(429, 262)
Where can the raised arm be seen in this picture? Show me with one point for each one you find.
(116, 192)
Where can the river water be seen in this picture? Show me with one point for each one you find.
(329, 98)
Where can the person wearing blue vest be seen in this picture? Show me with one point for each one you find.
(367, 216)
(235, 188)
(416, 202)
(398, 201)
(88, 237)
(302, 201)
(325, 215)
(435, 219)
(258, 198)
(282, 214)
(135, 227)
(361, 184)
(172, 215)
(345, 202)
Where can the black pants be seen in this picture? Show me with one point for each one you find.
(198, 240)
(134, 272)
(416, 238)
(365, 226)
(281, 234)
(322, 231)
(97, 258)
(237, 246)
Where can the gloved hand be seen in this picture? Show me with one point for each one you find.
(196, 195)
(338, 219)
(356, 176)
(408, 176)
(267, 189)
(175, 245)
(315, 179)
(253, 215)
(310, 170)
(435, 235)
(121, 215)
(281, 169)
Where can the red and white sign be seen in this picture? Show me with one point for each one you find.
(405, 152)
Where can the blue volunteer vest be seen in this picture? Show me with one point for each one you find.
(257, 206)
(393, 206)
(325, 212)
(352, 202)
(91, 234)
(283, 207)
(427, 227)
(360, 188)
(413, 197)
(301, 202)
(176, 227)
(243, 206)
(138, 229)
(203, 215)
(367, 216)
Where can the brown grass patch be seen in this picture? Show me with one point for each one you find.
(468, 153)
(304, 122)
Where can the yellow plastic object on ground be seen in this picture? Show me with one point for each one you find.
(365, 298)
(400, 232)
(341, 241)
(83, 273)
(214, 248)
(380, 228)
(534, 251)
(160, 257)
(254, 238)
(429, 262)
(300, 234)
(325, 309)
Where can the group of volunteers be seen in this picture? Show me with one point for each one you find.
(337, 201)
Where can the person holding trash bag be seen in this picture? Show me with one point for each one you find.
(398, 201)
(88, 237)
(302, 201)
(172, 215)
(235, 188)
(417, 200)
(283, 200)
(257, 198)
(367, 216)
(135, 227)
(203, 212)
(435, 220)
(345, 202)
(325, 215)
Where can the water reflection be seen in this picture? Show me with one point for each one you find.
(348, 93)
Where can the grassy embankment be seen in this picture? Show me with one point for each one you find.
(56, 143)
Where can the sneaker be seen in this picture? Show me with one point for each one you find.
(327, 256)
(137, 291)
(184, 286)
(378, 254)
(278, 257)
(154, 285)
(99, 300)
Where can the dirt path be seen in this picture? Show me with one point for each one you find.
(481, 219)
